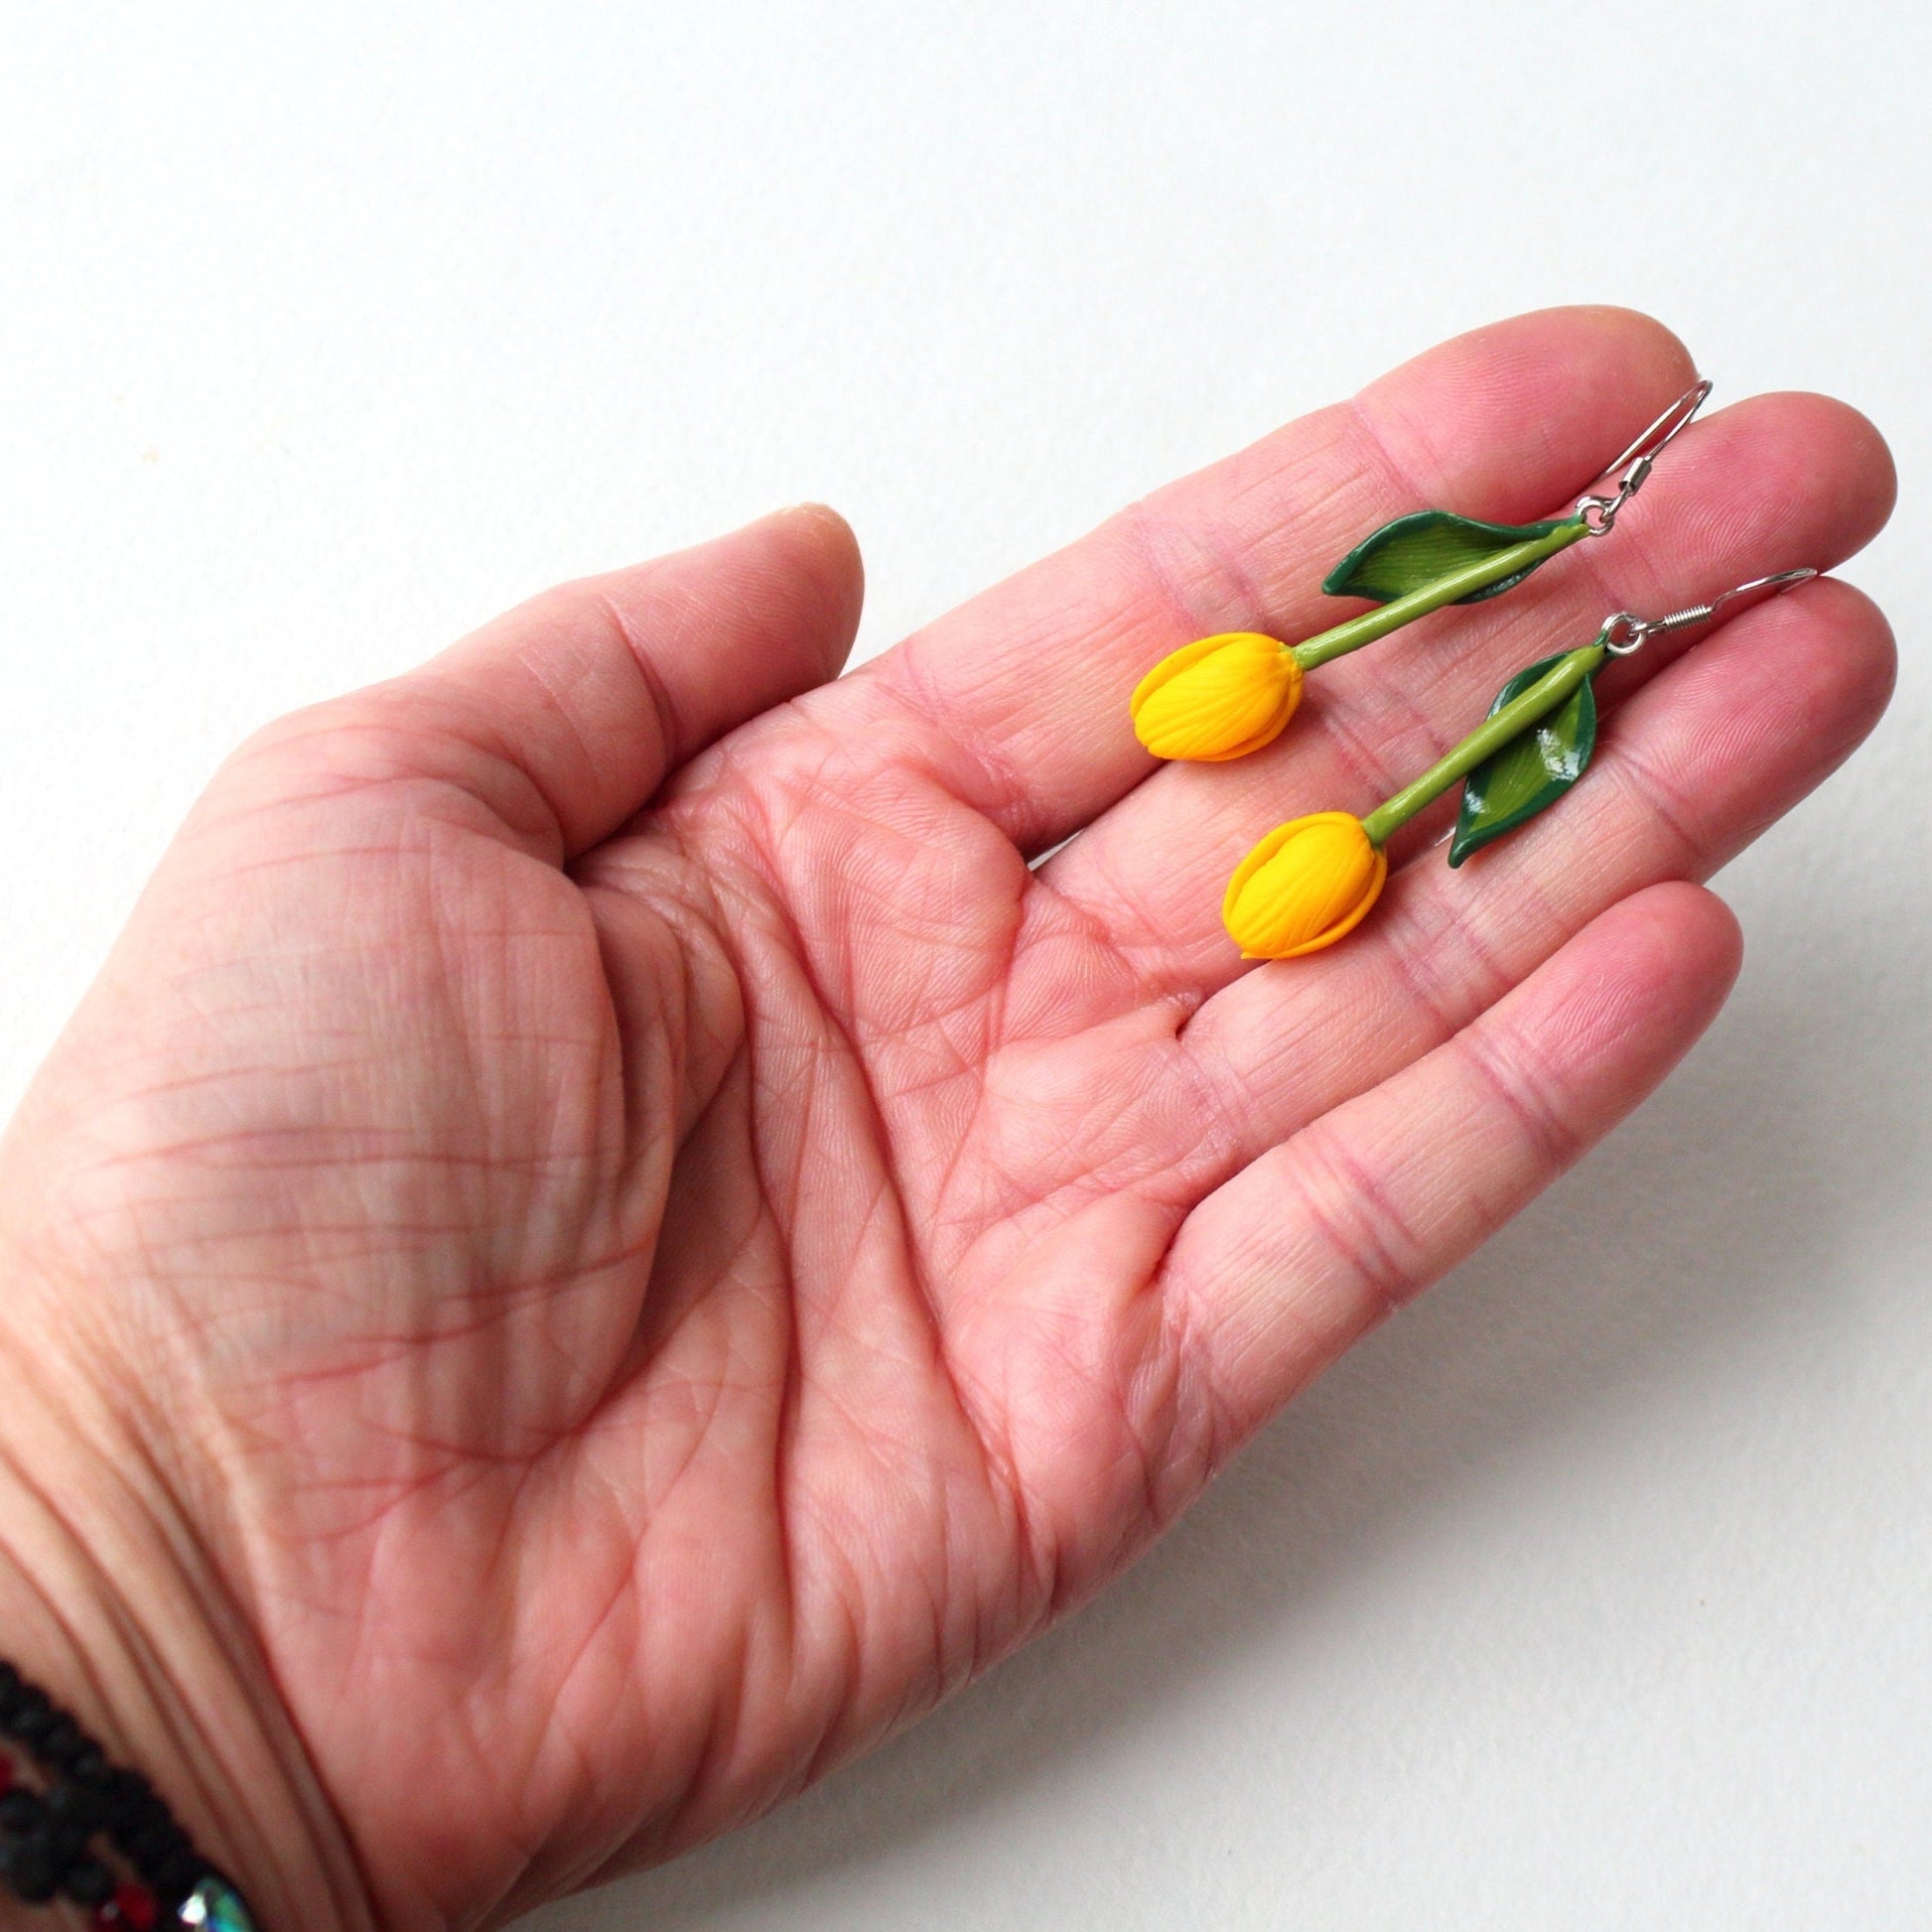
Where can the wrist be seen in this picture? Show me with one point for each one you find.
(111, 1602)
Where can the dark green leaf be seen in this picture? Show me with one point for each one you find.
(1530, 772)
(1421, 549)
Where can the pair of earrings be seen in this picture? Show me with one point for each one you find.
(1310, 882)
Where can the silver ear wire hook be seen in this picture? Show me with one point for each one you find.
(1626, 632)
(1629, 471)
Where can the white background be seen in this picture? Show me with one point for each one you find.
(1598, 1591)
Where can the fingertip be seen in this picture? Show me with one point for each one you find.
(1692, 936)
(1575, 384)
(1868, 462)
(1771, 703)
(1849, 650)
(1607, 360)
(1648, 346)
(1621, 350)
(1824, 428)
(821, 550)
(1801, 473)
(1650, 975)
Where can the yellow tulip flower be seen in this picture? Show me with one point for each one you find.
(1305, 885)
(1218, 698)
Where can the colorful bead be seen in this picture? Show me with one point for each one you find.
(216, 1905)
(131, 1910)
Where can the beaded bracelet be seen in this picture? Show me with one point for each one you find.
(95, 1833)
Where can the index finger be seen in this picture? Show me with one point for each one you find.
(1017, 699)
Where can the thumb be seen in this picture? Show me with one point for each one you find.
(565, 713)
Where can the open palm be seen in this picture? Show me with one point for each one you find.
(672, 1235)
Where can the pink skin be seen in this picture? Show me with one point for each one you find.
(604, 1231)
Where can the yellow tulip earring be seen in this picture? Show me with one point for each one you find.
(1225, 696)
(1312, 881)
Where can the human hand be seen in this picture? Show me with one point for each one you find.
(602, 1240)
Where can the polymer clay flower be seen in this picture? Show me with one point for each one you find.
(1305, 885)
(1227, 695)
(1218, 698)
(1310, 882)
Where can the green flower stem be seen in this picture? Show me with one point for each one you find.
(1489, 737)
(1477, 575)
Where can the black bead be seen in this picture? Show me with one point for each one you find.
(153, 1810)
(28, 1870)
(21, 1811)
(151, 1843)
(33, 1716)
(75, 1803)
(125, 1820)
(87, 1883)
(91, 1766)
(60, 1744)
(127, 1793)
(65, 1839)
(177, 1874)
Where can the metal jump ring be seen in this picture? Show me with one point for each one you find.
(1624, 632)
